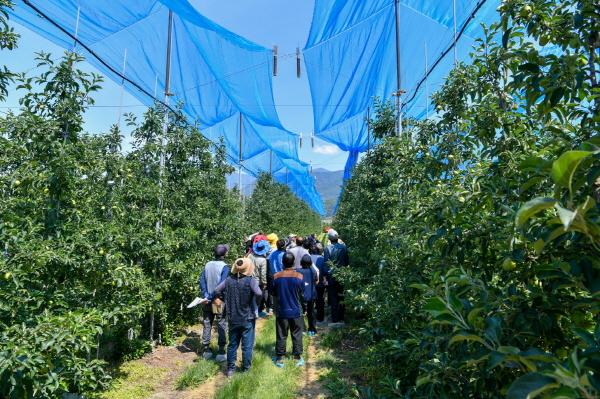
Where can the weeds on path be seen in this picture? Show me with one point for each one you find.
(264, 380)
(197, 374)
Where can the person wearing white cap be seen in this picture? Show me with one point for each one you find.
(336, 255)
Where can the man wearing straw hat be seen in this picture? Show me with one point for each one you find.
(241, 292)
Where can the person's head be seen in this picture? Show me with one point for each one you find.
(333, 236)
(221, 251)
(306, 244)
(306, 262)
(318, 249)
(299, 241)
(281, 244)
(273, 238)
(243, 266)
(288, 260)
(261, 248)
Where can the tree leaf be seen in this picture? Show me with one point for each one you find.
(466, 337)
(435, 306)
(565, 166)
(529, 386)
(530, 208)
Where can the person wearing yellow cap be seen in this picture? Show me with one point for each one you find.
(272, 238)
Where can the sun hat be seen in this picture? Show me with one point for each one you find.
(243, 266)
(221, 250)
(273, 238)
(261, 247)
(332, 234)
(259, 237)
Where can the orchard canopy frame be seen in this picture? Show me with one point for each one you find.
(358, 50)
(223, 80)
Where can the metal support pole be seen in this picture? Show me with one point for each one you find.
(398, 69)
(240, 159)
(122, 89)
(368, 129)
(76, 28)
(426, 83)
(155, 86)
(162, 141)
(455, 33)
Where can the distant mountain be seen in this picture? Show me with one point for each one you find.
(328, 184)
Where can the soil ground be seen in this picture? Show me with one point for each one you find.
(175, 359)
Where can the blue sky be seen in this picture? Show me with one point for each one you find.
(266, 22)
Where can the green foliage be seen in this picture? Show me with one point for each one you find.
(135, 380)
(273, 208)
(8, 41)
(197, 374)
(474, 238)
(98, 245)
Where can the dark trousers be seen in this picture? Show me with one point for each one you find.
(208, 319)
(270, 290)
(243, 333)
(320, 302)
(336, 300)
(309, 309)
(293, 326)
(264, 300)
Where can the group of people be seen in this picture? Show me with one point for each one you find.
(290, 278)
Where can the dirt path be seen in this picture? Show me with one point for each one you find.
(208, 389)
(175, 359)
(163, 368)
(311, 385)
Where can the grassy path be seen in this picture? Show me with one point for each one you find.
(160, 374)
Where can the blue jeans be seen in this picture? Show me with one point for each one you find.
(245, 334)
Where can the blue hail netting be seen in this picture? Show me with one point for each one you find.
(350, 58)
(216, 74)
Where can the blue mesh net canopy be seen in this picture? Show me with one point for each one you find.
(222, 79)
(350, 57)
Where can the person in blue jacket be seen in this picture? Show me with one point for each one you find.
(288, 289)
(214, 273)
(309, 279)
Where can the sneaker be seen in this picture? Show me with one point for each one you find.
(229, 373)
(221, 358)
(300, 362)
(279, 363)
(262, 315)
(270, 312)
(311, 334)
(207, 355)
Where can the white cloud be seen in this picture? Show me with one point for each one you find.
(326, 149)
